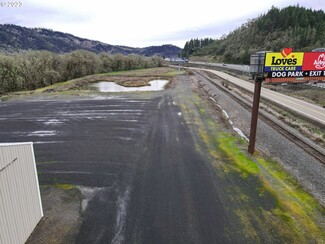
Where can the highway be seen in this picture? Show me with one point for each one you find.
(303, 108)
(237, 67)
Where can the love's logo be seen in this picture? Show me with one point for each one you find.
(285, 60)
(286, 51)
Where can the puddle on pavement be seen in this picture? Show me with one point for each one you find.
(42, 133)
(88, 194)
(155, 85)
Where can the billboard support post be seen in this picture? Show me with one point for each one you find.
(256, 103)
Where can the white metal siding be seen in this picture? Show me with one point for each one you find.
(20, 201)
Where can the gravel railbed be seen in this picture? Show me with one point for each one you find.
(309, 173)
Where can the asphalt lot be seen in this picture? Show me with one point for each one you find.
(90, 143)
(111, 145)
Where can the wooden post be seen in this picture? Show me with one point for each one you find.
(256, 103)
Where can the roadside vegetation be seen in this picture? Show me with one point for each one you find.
(308, 93)
(36, 69)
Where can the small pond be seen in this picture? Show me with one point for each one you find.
(104, 86)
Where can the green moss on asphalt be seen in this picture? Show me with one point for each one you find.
(295, 211)
(244, 165)
(64, 186)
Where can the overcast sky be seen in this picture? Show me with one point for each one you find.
(141, 23)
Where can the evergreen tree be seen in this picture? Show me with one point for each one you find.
(294, 26)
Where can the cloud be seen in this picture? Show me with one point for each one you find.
(223, 27)
(36, 15)
(179, 38)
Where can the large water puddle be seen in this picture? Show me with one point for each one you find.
(104, 86)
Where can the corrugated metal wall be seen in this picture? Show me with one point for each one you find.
(20, 202)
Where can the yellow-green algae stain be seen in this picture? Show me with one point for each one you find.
(264, 203)
(244, 165)
(277, 203)
(65, 186)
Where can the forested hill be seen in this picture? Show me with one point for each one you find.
(15, 38)
(297, 27)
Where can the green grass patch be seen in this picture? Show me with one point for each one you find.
(175, 73)
(53, 86)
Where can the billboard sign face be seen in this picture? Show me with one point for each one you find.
(288, 64)
(314, 61)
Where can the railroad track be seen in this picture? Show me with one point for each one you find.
(297, 139)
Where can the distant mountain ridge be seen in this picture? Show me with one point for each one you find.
(14, 38)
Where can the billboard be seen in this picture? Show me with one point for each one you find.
(289, 64)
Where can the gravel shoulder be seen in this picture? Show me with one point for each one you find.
(62, 215)
(307, 170)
